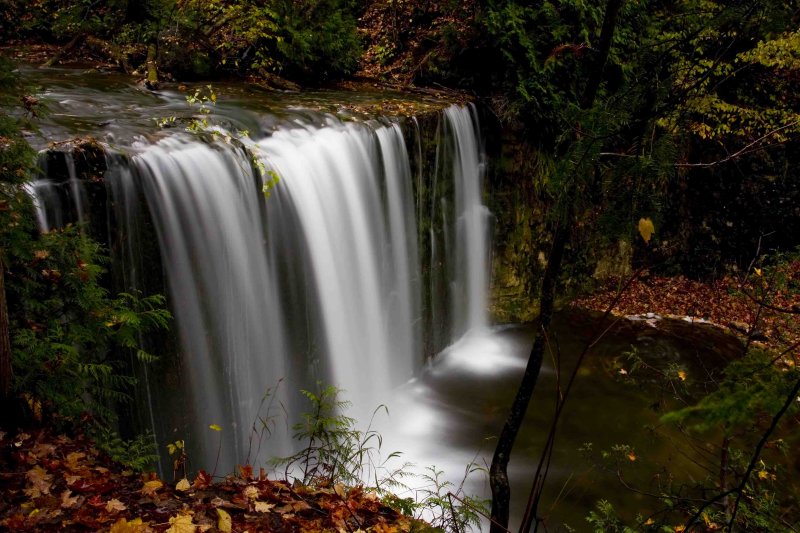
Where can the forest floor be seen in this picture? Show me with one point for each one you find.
(764, 306)
(57, 482)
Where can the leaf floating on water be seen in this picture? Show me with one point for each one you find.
(646, 229)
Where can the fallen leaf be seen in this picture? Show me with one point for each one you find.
(301, 506)
(263, 507)
(67, 501)
(250, 492)
(224, 524)
(42, 450)
(682, 375)
(215, 427)
(151, 487)
(114, 506)
(183, 485)
(202, 481)
(181, 523)
(40, 482)
(134, 526)
(73, 460)
(631, 456)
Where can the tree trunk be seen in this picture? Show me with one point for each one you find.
(74, 43)
(603, 48)
(498, 472)
(152, 68)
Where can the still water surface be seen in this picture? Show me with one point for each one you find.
(451, 414)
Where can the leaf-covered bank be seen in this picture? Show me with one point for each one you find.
(62, 482)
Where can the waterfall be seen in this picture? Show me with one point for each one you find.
(336, 276)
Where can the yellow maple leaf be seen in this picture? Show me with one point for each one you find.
(151, 487)
(250, 492)
(224, 524)
(134, 526)
(763, 474)
(215, 427)
(183, 485)
(646, 229)
(181, 523)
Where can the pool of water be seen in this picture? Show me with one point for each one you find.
(450, 415)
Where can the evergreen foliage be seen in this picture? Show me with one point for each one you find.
(69, 337)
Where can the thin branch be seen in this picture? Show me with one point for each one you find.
(739, 489)
(790, 399)
(744, 150)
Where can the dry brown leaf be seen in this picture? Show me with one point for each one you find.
(39, 480)
(300, 506)
(42, 450)
(114, 506)
(68, 502)
(263, 507)
(73, 460)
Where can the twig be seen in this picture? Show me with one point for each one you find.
(740, 152)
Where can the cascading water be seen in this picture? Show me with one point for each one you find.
(330, 278)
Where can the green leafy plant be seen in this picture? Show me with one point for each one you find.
(335, 451)
(138, 453)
